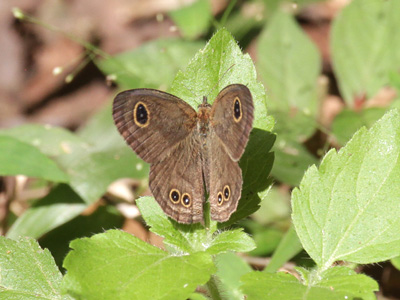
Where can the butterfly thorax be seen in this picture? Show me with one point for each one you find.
(203, 118)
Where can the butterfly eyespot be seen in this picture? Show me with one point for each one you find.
(227, 193)
(141, 115)
(174, 196)
(186, 200)
(220, 199)
(237, 109)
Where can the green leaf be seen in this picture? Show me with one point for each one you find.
(181, 237)
(230, 268)
(19, 158)
(219, 64)
(363, 62)
(117, 265)
(347, 122)
(348, 208)
(231, 240)
(58, 207)
(396, 262)
(291, 161)
(27, 271)
(289, 65)
(289, 247)
(90, 171)
(335, 283)
(57, 240)
(194, 19)
(152, 65)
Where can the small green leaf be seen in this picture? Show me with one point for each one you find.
(194, 19)
(396, 262)
(219, 64)
(27, 271)
(230, 268)
(152, 65)
(19, 158)
(231, 240)
(58, 207)
(363, 62)
(335, 283)
(117, 265)
(348, 208)
(182, 237)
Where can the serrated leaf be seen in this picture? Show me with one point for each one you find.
(231, 240)
(348, 208)
(335, 283)
(219, 64)
(19, 158)
(363, 62)
(182, 237)
(152, 65)
(58, 207)
(27, 271)
(193, 19)
(117, 265)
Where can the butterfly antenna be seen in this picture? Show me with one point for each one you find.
(219, 80)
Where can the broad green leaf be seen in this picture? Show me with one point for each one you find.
(231, 240)
(19, 158)
(117, 265)
(286, 250)
(84, 225)
(219, 64)
(396, 262)
(193, 19)
(58, 207)
(347, 122)
(90, 171)
(152, 65)
(333, 284)
(365, 43)
(27, 272)
(348, 208)
(230, 268)
(289, 65)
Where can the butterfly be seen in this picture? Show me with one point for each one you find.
(191, 154)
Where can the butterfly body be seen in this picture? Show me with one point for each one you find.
(190, 152)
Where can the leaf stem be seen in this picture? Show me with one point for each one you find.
(212, 286)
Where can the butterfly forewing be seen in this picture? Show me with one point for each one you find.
(152, 122)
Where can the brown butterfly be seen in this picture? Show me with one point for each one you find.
(189, 152)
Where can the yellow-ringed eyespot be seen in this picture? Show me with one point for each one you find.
(220, 199)
(237, 109)
(174, 196)
(141, 114)
(186, 200)
(227, 193)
